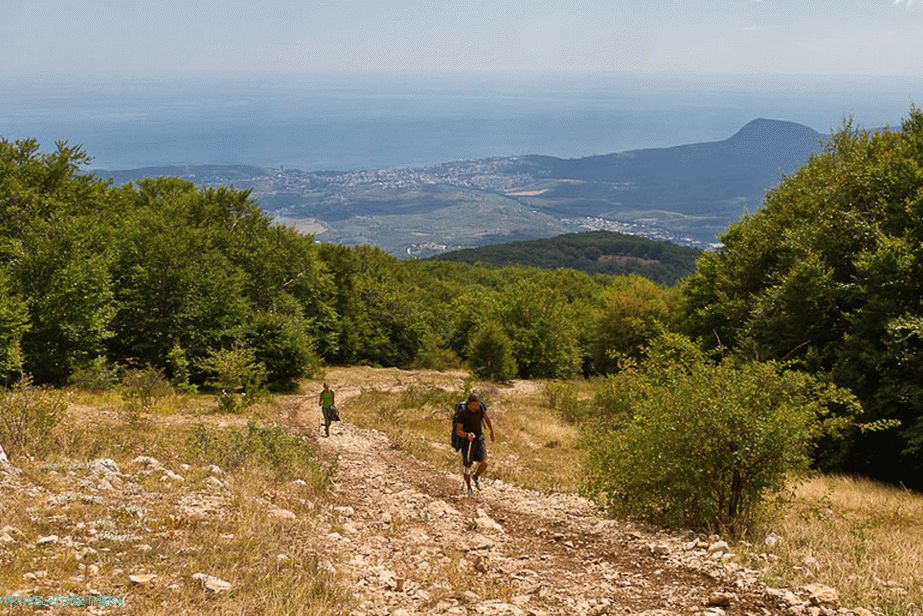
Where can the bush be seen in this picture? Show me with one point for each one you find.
(271, 445)
(178, 364)
(434, 397)
(696, 444)
(563, 398)
(237, 376)
(281, 343)
(28, 415)
(141, 388)
(96, 376)
(490, 354)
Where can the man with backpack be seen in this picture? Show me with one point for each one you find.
(468, 436)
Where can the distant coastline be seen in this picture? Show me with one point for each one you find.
(318, 122)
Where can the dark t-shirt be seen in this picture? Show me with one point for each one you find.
(473, 421)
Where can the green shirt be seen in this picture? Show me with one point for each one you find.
(326, 398)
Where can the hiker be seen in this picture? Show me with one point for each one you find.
(327, 407)
(470, 418)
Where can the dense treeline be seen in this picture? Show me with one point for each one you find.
(828, 276)
(593, 252)
(164, 274)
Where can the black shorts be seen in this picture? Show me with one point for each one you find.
(478, 451)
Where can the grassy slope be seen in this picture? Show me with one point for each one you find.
(270, 561)
(866, 538)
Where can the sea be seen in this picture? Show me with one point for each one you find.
(342, 122)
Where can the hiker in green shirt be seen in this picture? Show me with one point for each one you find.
(327, 407)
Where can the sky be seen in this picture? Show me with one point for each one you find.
(841, 37)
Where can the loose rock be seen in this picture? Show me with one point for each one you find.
(212, 583)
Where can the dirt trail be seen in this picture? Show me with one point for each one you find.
(411, 542)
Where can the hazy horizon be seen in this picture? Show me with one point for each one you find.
(362, 83)
(345, 122)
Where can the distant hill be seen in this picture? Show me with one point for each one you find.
(687, 194)
(694, 189)
(594, 252)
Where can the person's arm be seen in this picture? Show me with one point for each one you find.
(320, 399)
(460, 431)
(490, 426)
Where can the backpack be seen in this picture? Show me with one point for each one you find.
(457, 441)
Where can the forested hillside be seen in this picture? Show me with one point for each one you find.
(164, 274)
(828, 277)
(594, 252)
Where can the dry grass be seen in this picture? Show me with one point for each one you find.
(866, 537)
(273, 563)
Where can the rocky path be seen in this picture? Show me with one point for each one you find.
(411, 542)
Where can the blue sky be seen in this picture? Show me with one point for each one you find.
(880, 37)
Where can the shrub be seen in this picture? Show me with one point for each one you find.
(287, 454)
(96, 376)
(178, 364)
(433, 397)
(282, 344)
(703, 445)
(490, 354)
(28, 416)
(141, 388)
(236, 375)
(563, 398)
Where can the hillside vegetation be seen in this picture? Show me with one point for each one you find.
(369, 518)
(828, 277)
(594, 252)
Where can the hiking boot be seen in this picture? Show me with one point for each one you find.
(477, 482)
(470, 492)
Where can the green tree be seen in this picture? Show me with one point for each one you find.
(179, 369)
(541, 325)
(828, 275)
(635, 311)
(71, 305)
(235, 374)
(490, 353)
(14, 321)
(173, 285)
(282, 344)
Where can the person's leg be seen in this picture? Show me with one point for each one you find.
(482, 459)
(326, 422)
(479, 473)
(466, 472)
